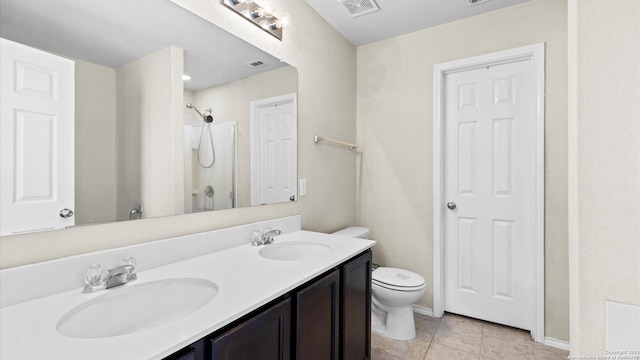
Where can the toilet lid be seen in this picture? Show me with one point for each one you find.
(397, 278)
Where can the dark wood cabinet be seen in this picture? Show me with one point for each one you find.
(194, 351)
(265, 336)
(355, 322)
(328, 318)
(317, 319)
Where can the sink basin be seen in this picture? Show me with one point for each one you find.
(135, 308)
(294, 250)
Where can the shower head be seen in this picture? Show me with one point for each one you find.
(190, 106)
(205, 117)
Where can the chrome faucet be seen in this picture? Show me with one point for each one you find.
(263, 238)
(267, 237)
(120, 275)
(96, 278)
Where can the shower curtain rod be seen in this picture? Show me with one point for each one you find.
(317, 139)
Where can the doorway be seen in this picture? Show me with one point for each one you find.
(489, 188)
(273, 150)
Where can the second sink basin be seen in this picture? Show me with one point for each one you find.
(294, 250)
(137, 307)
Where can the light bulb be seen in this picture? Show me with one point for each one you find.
(267, 7)
(258, 13)
(283, 21)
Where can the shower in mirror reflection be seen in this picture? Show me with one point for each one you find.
(208, 119)
(209, 162)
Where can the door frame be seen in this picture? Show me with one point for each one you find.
(535, 54)
(254, 122)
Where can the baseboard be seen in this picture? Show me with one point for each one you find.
(558, 344)
(423, 310)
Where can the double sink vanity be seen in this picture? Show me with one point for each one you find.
(205, 296)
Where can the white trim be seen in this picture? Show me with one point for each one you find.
(558, 344)
(535, 54)
(254, 117)
(422, 310)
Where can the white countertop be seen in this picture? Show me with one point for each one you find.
(245, 280)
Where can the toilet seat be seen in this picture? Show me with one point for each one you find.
(397, 279)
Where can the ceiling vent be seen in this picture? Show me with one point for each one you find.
(255, 64)
(359, 7)
(477, 2)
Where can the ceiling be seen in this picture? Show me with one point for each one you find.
(398, 17)
(113, 33)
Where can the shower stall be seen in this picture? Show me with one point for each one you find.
(210, 156)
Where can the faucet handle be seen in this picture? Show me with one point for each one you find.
(129, 261)
(131, 269)
(95, 278)
(256, 238)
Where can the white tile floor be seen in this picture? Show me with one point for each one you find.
(461, 338)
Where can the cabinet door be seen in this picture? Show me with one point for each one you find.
(194, 351)
(266, 336)
(355, 325)
(317, 319)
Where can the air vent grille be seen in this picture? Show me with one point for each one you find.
(255, 64)
(477, 2)
(359, 7)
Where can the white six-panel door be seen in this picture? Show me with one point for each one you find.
(37, 139)
(274, 177)
(487, 185)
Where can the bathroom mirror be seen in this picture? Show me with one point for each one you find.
(121, 131)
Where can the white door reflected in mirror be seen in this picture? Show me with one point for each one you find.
(37, 127)
(273, 150)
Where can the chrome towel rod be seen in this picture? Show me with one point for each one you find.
(317, 139)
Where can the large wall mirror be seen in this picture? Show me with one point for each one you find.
(170, 115)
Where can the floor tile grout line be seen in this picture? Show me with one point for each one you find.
(456, 349)
(433, 336)
(481, 340)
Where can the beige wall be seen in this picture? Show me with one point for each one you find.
(231, 103)
(95, 141)
(149, 108)
(395, 111)
(604, 172)
(326, 106)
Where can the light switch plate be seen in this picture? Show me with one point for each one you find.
(303, 187)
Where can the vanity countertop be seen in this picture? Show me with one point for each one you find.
(245, 280)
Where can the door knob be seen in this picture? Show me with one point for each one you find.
(66, 213)
(451, 205)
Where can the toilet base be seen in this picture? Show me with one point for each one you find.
(396, 323)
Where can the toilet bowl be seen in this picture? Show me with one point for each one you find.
(393, 292)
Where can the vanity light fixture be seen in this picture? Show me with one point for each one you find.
(186, 77)
(263, 15)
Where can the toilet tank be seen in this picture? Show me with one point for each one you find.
(354, 231)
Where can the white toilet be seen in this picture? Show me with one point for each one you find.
(393, 293)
